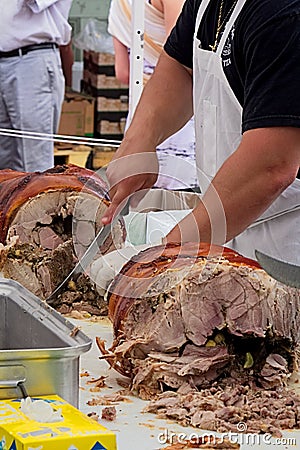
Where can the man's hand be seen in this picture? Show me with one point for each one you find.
(128, 175)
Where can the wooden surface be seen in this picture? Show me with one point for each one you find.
(71, 154)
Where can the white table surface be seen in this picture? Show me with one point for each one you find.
(134, 429)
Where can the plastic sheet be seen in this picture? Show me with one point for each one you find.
(94, 36)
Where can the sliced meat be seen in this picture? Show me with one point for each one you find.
(196, 324)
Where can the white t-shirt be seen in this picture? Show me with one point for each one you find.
(27, 22)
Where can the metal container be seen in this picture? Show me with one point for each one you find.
(39, 348)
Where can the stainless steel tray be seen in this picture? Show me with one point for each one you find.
(38, 346)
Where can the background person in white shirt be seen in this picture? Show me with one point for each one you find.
(176, 155)
(31, 78)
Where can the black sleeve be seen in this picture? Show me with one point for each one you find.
(264, 72)
(179, 44)
(272, 75)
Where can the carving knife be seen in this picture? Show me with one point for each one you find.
(89, 254)
(284, 272)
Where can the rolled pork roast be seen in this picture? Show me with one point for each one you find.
(208, 337)
(47, 221)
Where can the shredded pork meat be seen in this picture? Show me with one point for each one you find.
(210, 341)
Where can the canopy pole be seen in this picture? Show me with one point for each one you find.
(136, 55)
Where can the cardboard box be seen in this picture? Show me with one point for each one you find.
(109, 127)
(102, 81)
(113, 104)
(77, 117)
(99, 58)
(76, 431)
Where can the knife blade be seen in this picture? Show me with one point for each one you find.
(89, 254)
(284, 272)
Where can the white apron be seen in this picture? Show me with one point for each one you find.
(218, 124)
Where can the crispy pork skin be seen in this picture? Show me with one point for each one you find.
(17, 188)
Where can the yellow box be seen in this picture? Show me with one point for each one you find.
(76, 431)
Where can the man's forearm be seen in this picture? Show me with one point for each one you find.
(67, 61)
(245, 186)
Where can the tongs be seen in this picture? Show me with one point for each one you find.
(89, 254)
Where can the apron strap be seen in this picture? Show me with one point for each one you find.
(229, 25)
(201, 11)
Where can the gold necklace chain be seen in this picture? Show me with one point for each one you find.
(221, 23)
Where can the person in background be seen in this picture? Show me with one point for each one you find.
(160, 17)
(241, 60)
(32, 83)
(67, 61)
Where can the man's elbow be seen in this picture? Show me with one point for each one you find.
(282, 177)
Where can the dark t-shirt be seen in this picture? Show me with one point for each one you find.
(261, 58)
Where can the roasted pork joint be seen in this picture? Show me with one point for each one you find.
(47, 221)
(186, 322)
(19, 188)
